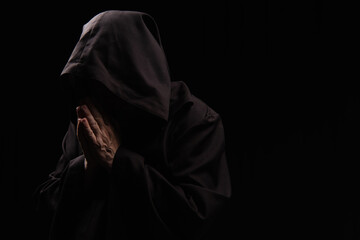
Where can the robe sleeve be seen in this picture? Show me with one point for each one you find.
(63, 185)
(182, 202)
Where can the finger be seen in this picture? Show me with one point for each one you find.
(88, 142)
(84, 112)
(85, 134)
(81, 137)
(83, 140)
(106, 124)
(99, 117)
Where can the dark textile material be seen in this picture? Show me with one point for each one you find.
(169, 178)
(119, 50)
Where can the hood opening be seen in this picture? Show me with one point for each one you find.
(121, 51)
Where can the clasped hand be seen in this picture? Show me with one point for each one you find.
(97, 136)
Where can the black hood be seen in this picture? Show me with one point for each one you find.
(122, 50)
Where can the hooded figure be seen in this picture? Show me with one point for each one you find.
(162, 171)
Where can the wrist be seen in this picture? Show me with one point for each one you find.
(108, 165)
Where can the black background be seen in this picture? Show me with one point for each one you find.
(280, 73)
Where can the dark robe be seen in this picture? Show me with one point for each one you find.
(169, 178)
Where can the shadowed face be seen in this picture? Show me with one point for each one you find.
(134, 125)
(115, 108)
